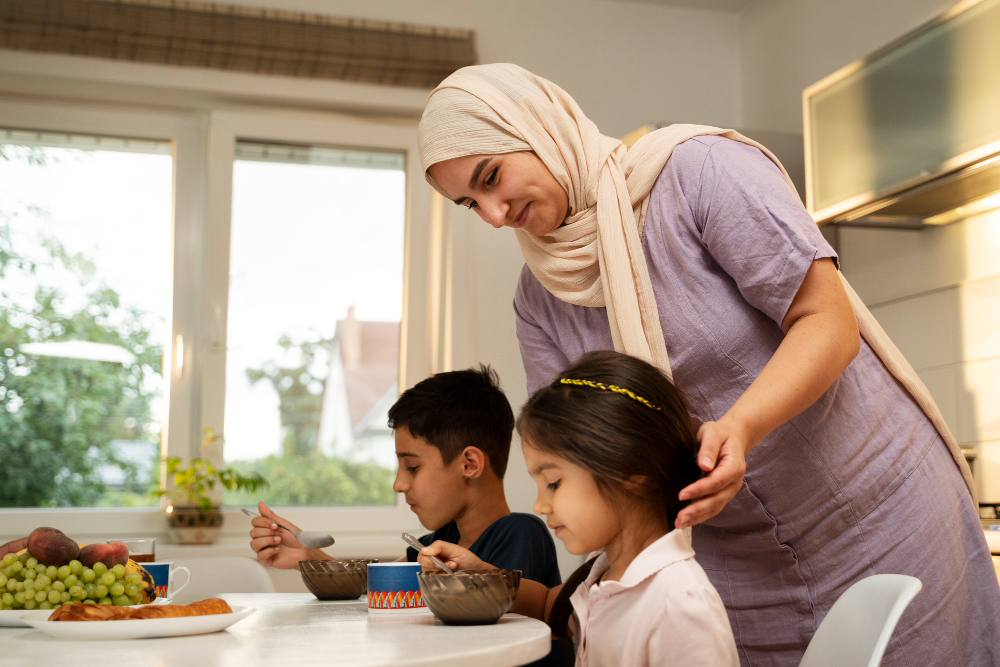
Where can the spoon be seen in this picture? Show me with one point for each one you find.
(413, 542)
(307, 538)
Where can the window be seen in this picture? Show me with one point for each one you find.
(168, 210)
(85, 224)
(315, 305)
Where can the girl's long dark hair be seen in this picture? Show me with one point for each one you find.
(613, 436)
(616, 438)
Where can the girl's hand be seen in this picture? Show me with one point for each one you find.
(273, 539)
(723, 452)
(454, 556)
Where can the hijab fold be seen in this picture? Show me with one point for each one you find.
(596, 258)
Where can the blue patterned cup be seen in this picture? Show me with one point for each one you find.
(163, 578)
(393, 588)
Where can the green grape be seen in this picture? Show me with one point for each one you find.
(63, 571)
(116, 589)
(45, 605)
(89, 601)
(40, 568)
(19, 597)
(29, 574)
(131, 590)
(31, 562)
(65, 597)
(29, 591)
(40, 595)
(119, 601)
(42, 580)
(100, 568)
(108, 578)
(9, 558)
(52, 572)
(101, 591)
(16, 566)
(70, 581)
(77, 591)
(30, 604)
(88, 575)
(135, 599)
(76, 567)
(119, 571)
(7, 598)
(133, 578)
(12, 584)
(58, 586)
(7, 572)
(91, 588)
(18, 585)
(104, 600)
(53, 596)
(3, 580)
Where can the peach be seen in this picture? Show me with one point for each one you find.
(111, 554)
(52, 546)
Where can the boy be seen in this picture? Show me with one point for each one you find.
(453, 433)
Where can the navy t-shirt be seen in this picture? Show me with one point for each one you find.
(517, 541)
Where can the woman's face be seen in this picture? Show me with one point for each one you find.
(511, 189)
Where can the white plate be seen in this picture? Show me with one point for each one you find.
(11, 618)
(136, 629)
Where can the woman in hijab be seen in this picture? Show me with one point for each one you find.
(827, 459)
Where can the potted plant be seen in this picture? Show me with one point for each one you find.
(191, 515)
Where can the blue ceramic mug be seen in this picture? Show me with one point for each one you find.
(393, 587)
(163, 576)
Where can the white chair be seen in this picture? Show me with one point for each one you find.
(212, 576)
(857, 629)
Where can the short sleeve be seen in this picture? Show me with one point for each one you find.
(542, 358)
(691, 629)
(753, 224)
(520, 542)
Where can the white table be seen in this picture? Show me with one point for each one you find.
(297, 629)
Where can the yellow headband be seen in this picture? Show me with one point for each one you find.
(610, 387)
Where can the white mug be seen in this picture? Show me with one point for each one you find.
(165, 569)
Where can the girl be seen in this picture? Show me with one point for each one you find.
(610, 445)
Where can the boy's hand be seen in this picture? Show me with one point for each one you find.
(273, 539)
(454, 556)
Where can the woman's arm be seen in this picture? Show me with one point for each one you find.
(821, 339)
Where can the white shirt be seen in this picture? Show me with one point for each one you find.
(664, 611)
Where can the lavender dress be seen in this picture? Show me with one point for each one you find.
(858, 484)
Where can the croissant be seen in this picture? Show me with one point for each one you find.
(77, 611)
(91, 612)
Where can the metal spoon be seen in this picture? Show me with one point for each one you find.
(415, 543)
(307, 538)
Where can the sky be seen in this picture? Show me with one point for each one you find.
(308, 241)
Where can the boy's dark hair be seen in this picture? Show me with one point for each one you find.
(613, 435)
(458, 409)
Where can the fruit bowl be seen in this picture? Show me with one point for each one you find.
(327, 581)
(469, 597)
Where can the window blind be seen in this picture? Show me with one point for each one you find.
(216, 36)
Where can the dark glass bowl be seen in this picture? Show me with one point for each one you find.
(469, 597)
(327, 581)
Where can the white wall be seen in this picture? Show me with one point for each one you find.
(935, 291)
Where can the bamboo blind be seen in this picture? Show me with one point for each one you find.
(198, 34)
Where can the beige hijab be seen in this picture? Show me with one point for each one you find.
(595, 258)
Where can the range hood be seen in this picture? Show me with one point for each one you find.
(910, 136)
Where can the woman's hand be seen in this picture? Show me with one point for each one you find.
(273, 539)
(723, 453)
(454, 556)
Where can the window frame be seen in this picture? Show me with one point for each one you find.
(203, 146)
